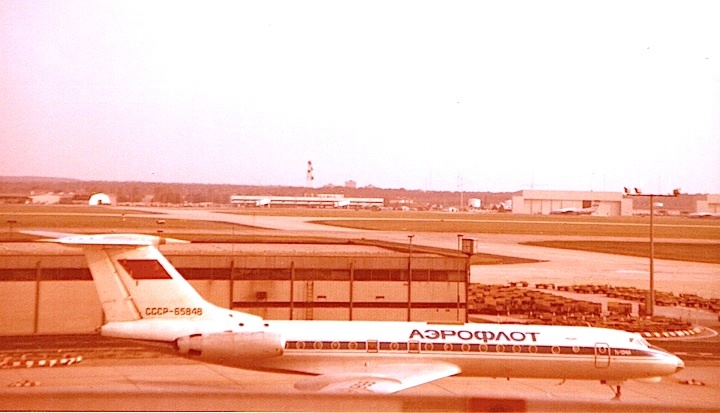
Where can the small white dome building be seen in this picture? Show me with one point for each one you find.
(100, 199)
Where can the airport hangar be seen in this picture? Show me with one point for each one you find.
(609, 203)
(47, 288)
(543, 202)
(710, 204)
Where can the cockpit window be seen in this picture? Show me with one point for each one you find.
(641, 341)
(636, 338)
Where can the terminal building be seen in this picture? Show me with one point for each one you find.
(47, 288)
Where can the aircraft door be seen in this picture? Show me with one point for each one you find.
(602, 355)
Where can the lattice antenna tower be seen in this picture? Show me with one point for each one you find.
(309, 178)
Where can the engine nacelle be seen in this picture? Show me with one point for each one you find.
(231, 349)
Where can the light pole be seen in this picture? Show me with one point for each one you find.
(650, 305)
(410, 238)
(457, 280)
(11, 222)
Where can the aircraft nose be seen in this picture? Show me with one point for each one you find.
(680, 364)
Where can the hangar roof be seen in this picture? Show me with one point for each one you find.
(285, 249)
(572, 195)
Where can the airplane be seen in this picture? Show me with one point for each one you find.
(574, 211)
(145, 298)
(703, 215)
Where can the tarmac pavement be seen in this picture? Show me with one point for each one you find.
(179, 384)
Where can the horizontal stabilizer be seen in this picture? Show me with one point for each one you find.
(105, 239)
(50, 235)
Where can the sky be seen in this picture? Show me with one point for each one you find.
(431, 95)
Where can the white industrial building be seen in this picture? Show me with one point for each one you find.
(46, 199)
(710, 204)
(319, 201)
(593, 203)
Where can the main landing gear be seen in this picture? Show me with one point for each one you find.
(616, 387)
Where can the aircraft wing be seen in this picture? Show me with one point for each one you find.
(379, 378)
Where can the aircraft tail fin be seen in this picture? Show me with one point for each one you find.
(135, 281)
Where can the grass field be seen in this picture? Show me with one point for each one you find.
(85, 219)
(569, 226)
(102, 219)
(9, 209)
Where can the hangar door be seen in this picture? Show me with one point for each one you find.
(534, 206)
(609, 208)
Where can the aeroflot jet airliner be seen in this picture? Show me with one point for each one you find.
(145, 298)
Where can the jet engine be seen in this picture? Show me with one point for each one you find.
(230, 349)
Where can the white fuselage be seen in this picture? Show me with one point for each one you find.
(487, 350)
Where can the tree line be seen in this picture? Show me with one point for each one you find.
(134, 192)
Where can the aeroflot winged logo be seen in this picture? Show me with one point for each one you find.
(482, 335)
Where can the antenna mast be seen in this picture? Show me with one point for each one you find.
(309, 178)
